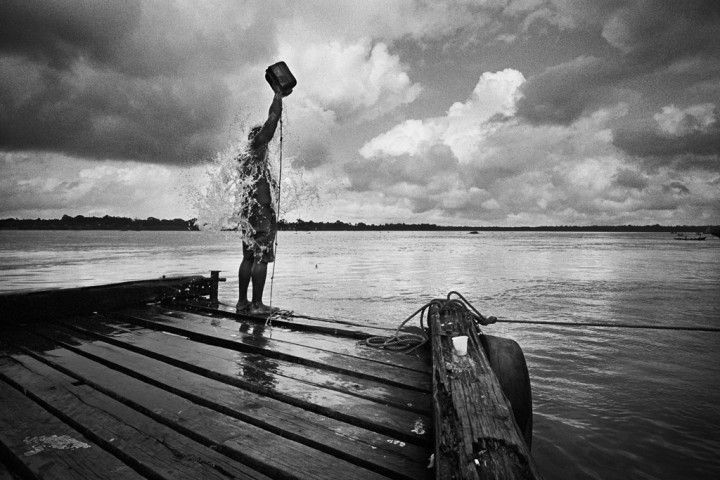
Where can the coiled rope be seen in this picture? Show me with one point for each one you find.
(407, 342)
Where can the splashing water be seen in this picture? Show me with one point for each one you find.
(222, 204)
(227, 194)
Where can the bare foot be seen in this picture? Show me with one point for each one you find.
(262, 309)
(242, 306)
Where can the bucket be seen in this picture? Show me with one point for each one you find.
(280, 78)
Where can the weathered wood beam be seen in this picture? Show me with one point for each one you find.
(50, 304)
(476, 436)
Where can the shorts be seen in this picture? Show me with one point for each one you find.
(260, 247)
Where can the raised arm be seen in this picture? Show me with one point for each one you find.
(268, 129)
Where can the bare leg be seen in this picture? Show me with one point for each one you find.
(259, 275)
(258, 280)
(244, 275)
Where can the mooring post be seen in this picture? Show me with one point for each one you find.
(476, 435)
(214, 279)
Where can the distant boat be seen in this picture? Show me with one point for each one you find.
(685, 236)
(713, 231)
(474, 232)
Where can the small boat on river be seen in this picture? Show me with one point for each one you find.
(686, 236)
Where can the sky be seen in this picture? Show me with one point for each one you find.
(480, 113)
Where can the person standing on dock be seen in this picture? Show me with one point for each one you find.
(259, 212)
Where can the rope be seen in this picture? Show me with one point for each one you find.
(409, 342)
(279, 195)
(615, 325)
(405, 342)
(463, 305)
(486, 321)
(285, 315)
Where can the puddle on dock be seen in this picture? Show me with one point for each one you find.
(258, 370)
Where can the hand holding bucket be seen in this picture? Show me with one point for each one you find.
(280, 78)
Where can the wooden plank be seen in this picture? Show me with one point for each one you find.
(38, 445)
(149, 447)
(299, 322)
(319, 351)
(246, 441)
(5, 473)
(49, 304)
(168, 393)
(230, 367)
(475, 432)
(258, 365)
(266, 370)
(226, 327)
(362, 368)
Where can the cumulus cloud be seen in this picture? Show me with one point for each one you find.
(614, 112)
(565, 92)
(687, 138)
(120, 80)
(657, 32)
(50, 186)
(388, 19)
(516, 172)
(158, 82)
(353, 80)
(98, 114)
(674, 42)
(678, 122)
(460, 130)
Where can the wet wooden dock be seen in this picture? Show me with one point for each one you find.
(179, 391)
(151, 379)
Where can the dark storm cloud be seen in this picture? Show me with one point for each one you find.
(630, 179)
(106, 115)
(124, 80)
(676, 188)
(647, 38)
(693, 150)
(564, 92)
(312, 155)
(57, 33)
(658, 32)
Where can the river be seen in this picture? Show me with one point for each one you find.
(610, 403)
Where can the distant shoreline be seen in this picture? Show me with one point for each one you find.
(81, 222)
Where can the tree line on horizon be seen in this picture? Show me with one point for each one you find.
(81, 222)
(108, 222)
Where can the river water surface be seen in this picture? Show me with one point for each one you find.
(610, 403)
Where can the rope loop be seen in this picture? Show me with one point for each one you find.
(409, 342)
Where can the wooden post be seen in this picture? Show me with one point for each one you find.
(476, 436)
(214, 279)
